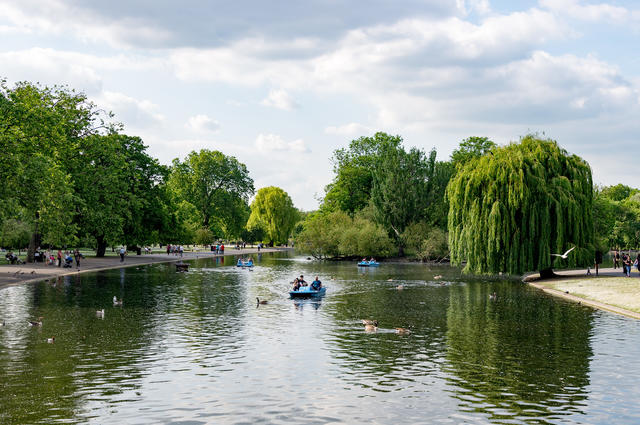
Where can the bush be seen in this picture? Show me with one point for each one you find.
(435, 246)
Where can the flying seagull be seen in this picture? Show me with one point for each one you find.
(564, 256)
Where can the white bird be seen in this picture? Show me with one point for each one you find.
(100, 313)
(564, 256)
(116, 302)
(51, 340)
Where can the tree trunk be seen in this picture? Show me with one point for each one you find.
(33, 242)
(102, 246)
(547, 274)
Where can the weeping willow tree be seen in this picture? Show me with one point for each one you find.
(513, 207)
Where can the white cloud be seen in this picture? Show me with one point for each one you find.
(201, 123)
(588, 12)
(134, 113)
(280, 99)
(275, 143)
(350, 129)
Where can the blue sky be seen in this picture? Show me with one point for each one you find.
(282, 84)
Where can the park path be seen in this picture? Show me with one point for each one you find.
(14, 274)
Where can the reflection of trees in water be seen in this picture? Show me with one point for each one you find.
(95, 361)
(384, 360)
(524, 355)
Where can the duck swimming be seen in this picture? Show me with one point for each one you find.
(403, 331)
(261, 302)
(51, 340)
(36, 323)
(369, 322)
(400, 287)
(370, 328)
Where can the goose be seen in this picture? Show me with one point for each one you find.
(36, 322)
(400, 287)
(437, 277)
(370, 328)
(369, 322)
(100, 313)
(564, 256)
(403, 331)
(261, 302)
(51, 340)
(116, 302)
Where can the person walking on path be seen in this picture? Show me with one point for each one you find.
(77, 256)
(598, 260)
(122, 252)
(616, 259)
(59, 258)
(626, 260)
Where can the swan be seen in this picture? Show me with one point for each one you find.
(564, 256)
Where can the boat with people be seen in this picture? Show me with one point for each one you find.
(245, 263)
(370, 263)
(308, 291)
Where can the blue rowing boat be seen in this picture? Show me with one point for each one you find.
(245, 263)
(306, 291)
(368, 264)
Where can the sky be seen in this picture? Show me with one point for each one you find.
(282, 84)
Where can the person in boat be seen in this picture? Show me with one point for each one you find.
(240, 261)
(302, 281)
(296, 284)
(316, 284)
(364, 260)
(373, 260)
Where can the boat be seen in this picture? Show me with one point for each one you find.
(368, 264)
(306, 291)
(245, 263)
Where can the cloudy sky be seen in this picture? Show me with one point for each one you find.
(281, 84)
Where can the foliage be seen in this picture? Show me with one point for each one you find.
(471, 148)
(616, 219)
(331, 235)
(351, 188)
(511, 209)
(15, 234)
(618, 192)
(217, 185)
(434, 246)
(401, 189)
(273, 211)
(203, 237)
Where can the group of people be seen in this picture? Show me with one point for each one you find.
(373, 260)
(299, 282)
(175, 250)
(218, 248)
(625, 261)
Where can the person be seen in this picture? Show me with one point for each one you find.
(598, 260)
(59, 258)
(122, 252)
(316, 284)
(222, 249)
(627, 265)
(616, 259)
(181, 249)
(77, 256)
(302, 281)
(296, 284)
(168, 248)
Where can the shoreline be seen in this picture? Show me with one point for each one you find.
(11, 275)
(579, 276)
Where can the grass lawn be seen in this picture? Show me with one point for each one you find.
(621, 291)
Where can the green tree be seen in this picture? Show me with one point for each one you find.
(471, 148)
(322, 234)
(15, 234)
(511, 209)
(273, 210)
(215, 184)
(401, 189)
(351, 188)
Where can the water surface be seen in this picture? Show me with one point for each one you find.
(195, 348)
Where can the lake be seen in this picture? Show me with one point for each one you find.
(195, 348)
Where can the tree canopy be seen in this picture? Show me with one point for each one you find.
(511, 209)
(273, 210)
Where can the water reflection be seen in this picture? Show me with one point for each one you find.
(520, 356)
(194, 348)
